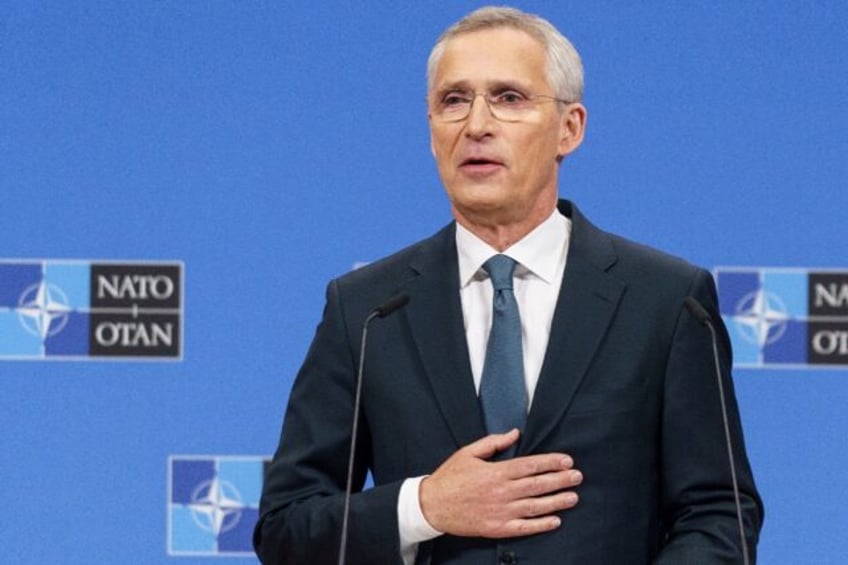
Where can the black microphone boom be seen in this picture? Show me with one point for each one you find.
(697, 311)
(394, 303)
(703, 317)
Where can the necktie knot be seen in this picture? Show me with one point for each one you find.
(500, 269)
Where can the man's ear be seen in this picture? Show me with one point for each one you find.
(572, 128)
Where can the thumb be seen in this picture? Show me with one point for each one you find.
(485, 447)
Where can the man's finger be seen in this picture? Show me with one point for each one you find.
(531, 465)
(485, 447)
(544, 505)
(528, 526)
(545, 483)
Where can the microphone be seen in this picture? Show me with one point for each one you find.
(389, 306)
(386, 308)
(703, 317)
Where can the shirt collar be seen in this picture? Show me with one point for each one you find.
(539, 252)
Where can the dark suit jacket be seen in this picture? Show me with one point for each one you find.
(627, 388)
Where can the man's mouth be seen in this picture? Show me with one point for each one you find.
(480, 165)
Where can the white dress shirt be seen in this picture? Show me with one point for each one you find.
(541, 262)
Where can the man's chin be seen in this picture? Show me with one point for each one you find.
(484, 195)
(481, 210)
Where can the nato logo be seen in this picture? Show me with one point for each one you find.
(785, 317)
(71, 309)
(213, 504)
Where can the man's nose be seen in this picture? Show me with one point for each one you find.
(480, 117)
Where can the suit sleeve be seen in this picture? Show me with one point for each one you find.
(698, 504)
(303, 495)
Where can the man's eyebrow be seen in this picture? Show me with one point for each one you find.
(501, 85)
(491, 86)
(454, 85)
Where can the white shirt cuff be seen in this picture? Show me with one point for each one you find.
(413, 527)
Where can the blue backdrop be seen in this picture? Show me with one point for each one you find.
(271, 146)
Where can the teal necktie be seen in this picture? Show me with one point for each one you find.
(502, 392)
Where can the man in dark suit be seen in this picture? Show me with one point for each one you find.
(616, 451)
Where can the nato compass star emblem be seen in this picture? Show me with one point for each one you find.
(213, 504)
(761, 317)
(43, 309)
(216, 506)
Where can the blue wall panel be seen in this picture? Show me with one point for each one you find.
(269, 147)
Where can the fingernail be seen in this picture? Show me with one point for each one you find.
(567, 462)
(577, 476)
(571, 497)
(556, 522)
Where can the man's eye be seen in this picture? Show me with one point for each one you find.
(510, 98)
(454, 99)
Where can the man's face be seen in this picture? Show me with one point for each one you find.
(499, 173)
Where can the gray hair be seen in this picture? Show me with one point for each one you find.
(564, 69)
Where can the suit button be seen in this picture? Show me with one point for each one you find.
(507, 558)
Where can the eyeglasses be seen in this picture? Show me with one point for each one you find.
(505, 106)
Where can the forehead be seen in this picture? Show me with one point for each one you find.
(492, 55)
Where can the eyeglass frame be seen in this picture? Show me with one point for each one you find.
(492, 105)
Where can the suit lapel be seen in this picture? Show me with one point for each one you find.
(587, 301)
(435, 321)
